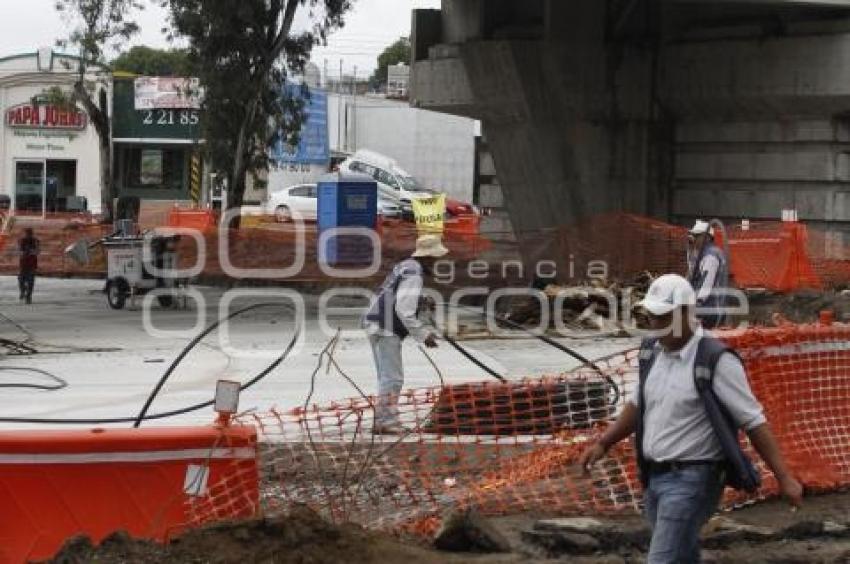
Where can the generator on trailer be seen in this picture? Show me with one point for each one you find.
(136, 264)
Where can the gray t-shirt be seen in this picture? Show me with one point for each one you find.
(676, 426)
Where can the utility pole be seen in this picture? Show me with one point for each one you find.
(339, 109)
(354, 111)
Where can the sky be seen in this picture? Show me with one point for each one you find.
(27, 25)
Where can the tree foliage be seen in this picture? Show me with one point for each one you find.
(97, 26)
(242, 52)
(147, 61)
(399, 52)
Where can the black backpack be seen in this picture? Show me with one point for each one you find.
(740, 472)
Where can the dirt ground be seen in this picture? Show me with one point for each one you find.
(767, 532)
(301, 538)
(800, 307)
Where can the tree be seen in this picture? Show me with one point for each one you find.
(96, 25)
(242, 53)
(147, 61)
(398, 52)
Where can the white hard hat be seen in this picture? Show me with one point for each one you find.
(667, 293)
(430, 246)
(701, 227)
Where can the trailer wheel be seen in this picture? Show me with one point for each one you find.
(165, 300)
(116, 293)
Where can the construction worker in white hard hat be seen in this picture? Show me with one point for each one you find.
(392, 317)
(708, 273)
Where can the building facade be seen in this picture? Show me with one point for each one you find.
(49, 155)
(156, 139)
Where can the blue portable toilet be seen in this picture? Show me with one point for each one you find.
(347, 200)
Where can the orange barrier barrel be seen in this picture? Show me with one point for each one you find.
(58, 484)
(202, 220)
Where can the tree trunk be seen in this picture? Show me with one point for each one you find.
(236, 190)
(107, 185)
(99, 117)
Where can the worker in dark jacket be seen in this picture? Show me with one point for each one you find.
(708, 273)
(28, 249)
(680, 453)
(391, 318)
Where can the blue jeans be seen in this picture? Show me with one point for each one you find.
(677, 504)
(386, 350)
(26, 283)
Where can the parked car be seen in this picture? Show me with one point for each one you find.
(301, 199)
(394, 183)
(389, 209)
(304, 200)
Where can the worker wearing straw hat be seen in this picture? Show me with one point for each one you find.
(392, 317)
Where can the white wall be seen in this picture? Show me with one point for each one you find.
(436, 148)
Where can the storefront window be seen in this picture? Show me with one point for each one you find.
(150, 168)
(153, 168)
(53, 192)
(61, 187)
(29, 186)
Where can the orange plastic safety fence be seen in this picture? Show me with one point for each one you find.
(55, 233)
(772, 255)
(628, 244)
(778, 256)
(830, 258)
(508, 448)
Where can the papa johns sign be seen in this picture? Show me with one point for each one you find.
(45, 116)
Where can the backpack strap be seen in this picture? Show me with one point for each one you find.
(646, 359)
(709, 351)
(741, 474)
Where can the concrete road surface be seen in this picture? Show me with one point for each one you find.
(111, 360)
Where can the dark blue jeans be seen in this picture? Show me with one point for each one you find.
(677, 505)
(26, 283)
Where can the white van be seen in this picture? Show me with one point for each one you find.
(394, 183)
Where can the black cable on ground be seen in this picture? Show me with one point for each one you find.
(60, 383)
(466, 354)
(144, 417)
(581, 358)
(186, 350)
(29, 345)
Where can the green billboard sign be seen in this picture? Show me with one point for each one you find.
(150, 124)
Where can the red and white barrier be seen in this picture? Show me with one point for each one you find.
(58, 484)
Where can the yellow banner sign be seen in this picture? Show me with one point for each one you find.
(430, 214)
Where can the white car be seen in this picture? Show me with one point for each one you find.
(303, 199)
(388, 209)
